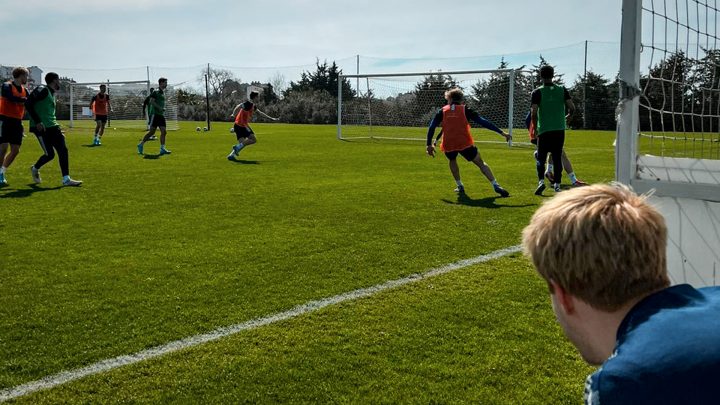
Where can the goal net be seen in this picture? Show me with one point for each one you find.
(126, 98)
(401, 106)
(668, 137)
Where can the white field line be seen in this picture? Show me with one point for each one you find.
(110, 364)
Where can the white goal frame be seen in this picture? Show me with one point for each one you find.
(511, 89)
(107, 83)
(685, 190)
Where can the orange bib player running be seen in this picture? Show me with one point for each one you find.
(243, 115)
(456, 139)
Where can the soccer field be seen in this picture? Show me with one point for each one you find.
(155, 249)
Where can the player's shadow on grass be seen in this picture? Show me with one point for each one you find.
(26, 192)
(92, 145)
(487, 202)
(151, 156)
(245, 162)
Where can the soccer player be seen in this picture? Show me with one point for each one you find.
(157, 120)
(147, 111)
(100, 105)
(456, 139)
(43, 123)
(243, 115)
(601, 249)
(551, 104)
(12, 109)
(565, 160)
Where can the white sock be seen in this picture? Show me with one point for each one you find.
(459, 183)
(240, 145)
(3, 169)
(66, 178)
(549, 168)
(495, 183)
(541, 182)
(162, 146)
(573, 179)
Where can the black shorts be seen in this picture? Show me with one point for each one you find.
(242, 132)
(101, 118)
(533, 141)
(157, 121)
(468, 153)
(11, 131)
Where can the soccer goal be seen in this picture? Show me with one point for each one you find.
(400, 106)
(668, 137)
(126, 99)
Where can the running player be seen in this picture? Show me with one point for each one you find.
(551, 104)
(243, 115)
(456, 139)
(157, 104)
(100, 105)
(567, 166)
(12, 109)
(43, 123)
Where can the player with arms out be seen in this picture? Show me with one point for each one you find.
(243, 115)
(456, 139)
(43, 123)
(157, 120)
(100, 105)
(12, 109)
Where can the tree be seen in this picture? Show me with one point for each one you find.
(220, 81)
(278, 82)
(600, 101)
(325, 78)
(429, 95)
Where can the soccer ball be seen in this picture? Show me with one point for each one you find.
(232, 129)
(197, 129)
(205, 129)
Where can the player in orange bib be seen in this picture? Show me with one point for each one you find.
(243, 115)
(12, 109)
(455, 117)
(100, 105)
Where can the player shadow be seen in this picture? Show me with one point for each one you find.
(244, 162)
(92, 145)
(26, 192)
(486, 202)
(151, 156)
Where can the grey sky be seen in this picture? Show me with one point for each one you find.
(113, 34)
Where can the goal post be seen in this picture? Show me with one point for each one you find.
(399, 106)
(126, 99)
(668, 132)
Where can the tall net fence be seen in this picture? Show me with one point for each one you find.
(593, 92)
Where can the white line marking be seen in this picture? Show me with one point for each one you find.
(110, 364)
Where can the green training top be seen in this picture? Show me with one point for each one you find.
(551, 110)
(159, 97)
(45, 110)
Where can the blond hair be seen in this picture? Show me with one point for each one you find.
(603, 244)
(454, 94)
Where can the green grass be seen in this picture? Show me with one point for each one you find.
(150, 250)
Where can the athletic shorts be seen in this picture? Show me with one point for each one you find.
(533, 141)
(468, 153)
(101, 118)
(242, 132)
(11, 131)
(157, 121)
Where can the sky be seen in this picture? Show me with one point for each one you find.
(121, 37)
